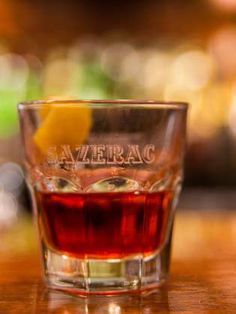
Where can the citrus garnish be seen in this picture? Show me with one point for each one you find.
(63, 125)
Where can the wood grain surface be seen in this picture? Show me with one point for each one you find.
(203, 273)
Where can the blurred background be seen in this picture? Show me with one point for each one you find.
(165, 50)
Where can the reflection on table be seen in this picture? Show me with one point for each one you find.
(203, 276)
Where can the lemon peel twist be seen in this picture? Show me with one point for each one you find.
(63, 124)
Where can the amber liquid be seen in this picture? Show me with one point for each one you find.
(104, 225)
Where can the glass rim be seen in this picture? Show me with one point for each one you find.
(102, 103)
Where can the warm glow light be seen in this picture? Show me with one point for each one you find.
(232, 116)
(130, 67)
(156, 70)
(208, 109)
(192, 70)
(113, 56)
(14, 71)
(227, 5)
(212, 111)
(60, 77)
(114, 309)
(223, 46)
(94, 69)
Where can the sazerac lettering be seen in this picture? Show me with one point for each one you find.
(100, 155)
(82, 154)
(149, 154)
(133, 155)
(114, 155)
(65, 155)
(118, 155)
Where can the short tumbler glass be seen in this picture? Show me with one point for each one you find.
(104, 177)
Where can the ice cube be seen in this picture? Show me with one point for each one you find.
(114, 184)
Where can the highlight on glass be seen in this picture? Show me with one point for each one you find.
(105, 177)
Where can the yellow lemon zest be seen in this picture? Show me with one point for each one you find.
(63, 125)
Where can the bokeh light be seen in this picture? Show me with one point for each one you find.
(202, 73)
(8, 210)
(13, 76)
(192, 70)
(222, 46)
(227, 5)
(114, 308)
(11, 178)
(232, 115)
(99, 69)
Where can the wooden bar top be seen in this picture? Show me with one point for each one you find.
(203, 273)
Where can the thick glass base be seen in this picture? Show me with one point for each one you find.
(111, 276)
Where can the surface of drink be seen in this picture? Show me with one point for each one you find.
(104, 225)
